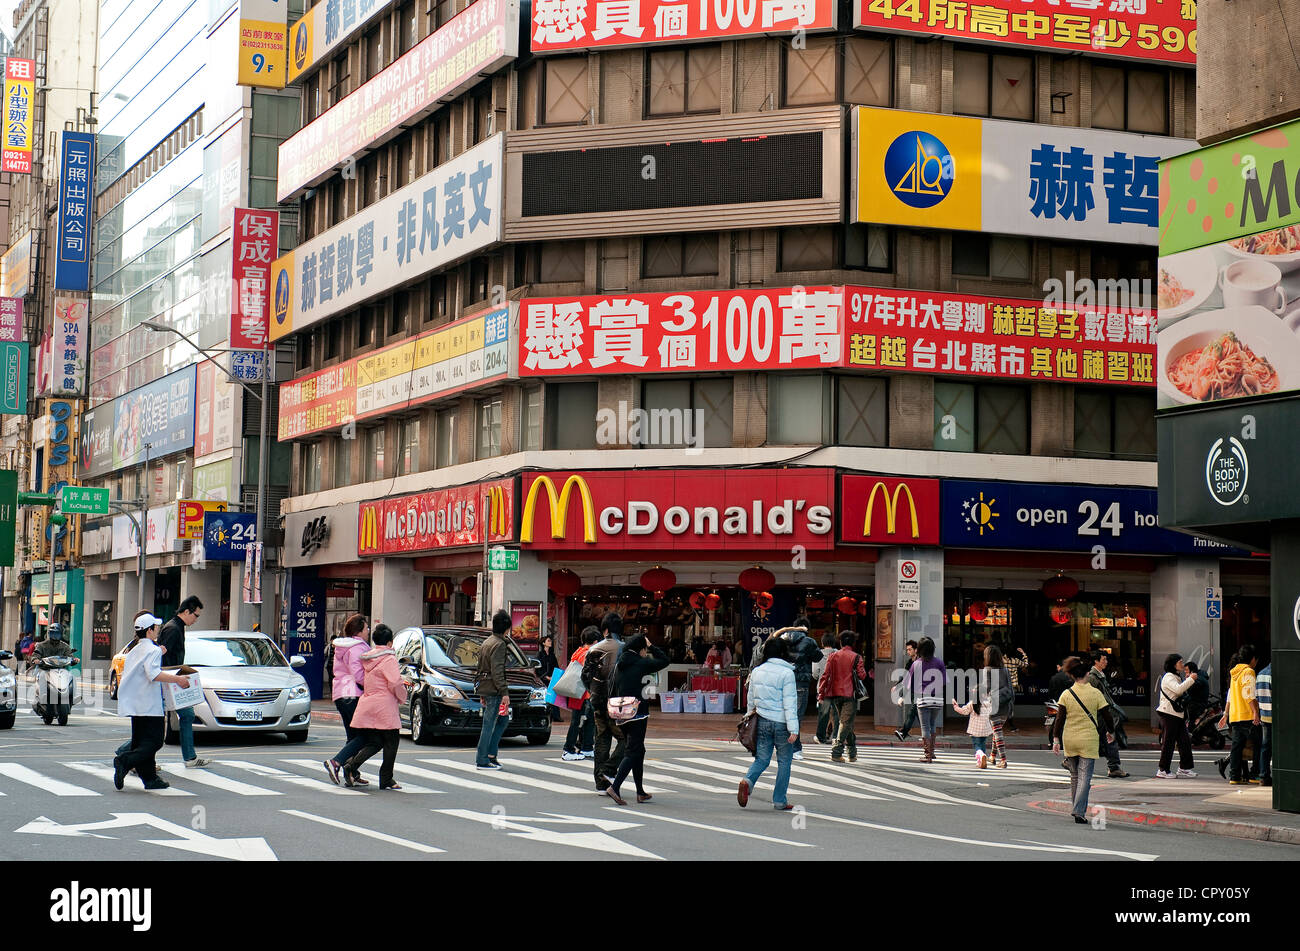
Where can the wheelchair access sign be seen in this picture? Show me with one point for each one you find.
(1214, 604)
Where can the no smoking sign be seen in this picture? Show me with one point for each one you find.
(909, 585)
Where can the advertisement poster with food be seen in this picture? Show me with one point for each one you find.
(525, 625)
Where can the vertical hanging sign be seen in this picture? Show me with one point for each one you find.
(66, 357)
(20, 90)
(263, 39)
(255, 245)
(72, 261)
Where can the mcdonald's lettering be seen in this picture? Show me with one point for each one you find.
(559, 508)
(446, 518)
(891, 509)
(499, 515)
(368, 536)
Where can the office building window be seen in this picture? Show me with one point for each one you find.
(488, 443)
(341, 73)
(445, 447)
(343, 461)
(1002, 419)
(993, 256)
(408, 456)
(1109, 424)
(530, 420)
(993, 84)
(311, 467)
(868, 247)
(372, 454)
(798, 409)
(954, 416)
(1135, 100)
(679, 255)
(683, 81)
(862, 411)
(563, 94)
(571, 415)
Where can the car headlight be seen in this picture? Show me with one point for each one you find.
(445, 691)
(298, 692)
(7, 681)
(538, 695)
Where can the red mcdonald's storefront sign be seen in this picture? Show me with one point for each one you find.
(446, 518)
(888, 511)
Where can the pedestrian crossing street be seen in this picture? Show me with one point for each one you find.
(881, 774)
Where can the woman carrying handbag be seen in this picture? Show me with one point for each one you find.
(629, 708)
(774, 701)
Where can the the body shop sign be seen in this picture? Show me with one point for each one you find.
(600, 24)
(679, 509)
(473, 44)
(446, 518)
(1158, 31)
(446, 215)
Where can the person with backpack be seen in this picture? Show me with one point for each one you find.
(1171, 708)
(582, 726)
(804, 652)
(639, 661)
(1083, 721)
(1242, 713)
(1002, 696)
(926, 686)
(773, 698)
(598, 678)
(837, 685)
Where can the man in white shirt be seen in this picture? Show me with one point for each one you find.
(139, 696)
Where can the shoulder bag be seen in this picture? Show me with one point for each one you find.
(1179, 703)
(622, 709)
(747, 732)
(570, 682)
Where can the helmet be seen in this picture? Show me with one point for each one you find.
(55, 632)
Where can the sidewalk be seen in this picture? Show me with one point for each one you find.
(1205, 805)
(722, 726)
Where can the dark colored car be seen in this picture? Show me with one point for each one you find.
(438, 666)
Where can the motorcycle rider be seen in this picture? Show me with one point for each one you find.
(53, 646)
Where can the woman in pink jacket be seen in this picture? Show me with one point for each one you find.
(377, 715)
(349, 680)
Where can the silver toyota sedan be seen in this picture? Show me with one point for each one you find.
(248, 686)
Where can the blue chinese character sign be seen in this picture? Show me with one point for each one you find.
(246, 365)
(227, 535)
(72, 255)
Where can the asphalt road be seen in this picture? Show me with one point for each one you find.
(265, 798)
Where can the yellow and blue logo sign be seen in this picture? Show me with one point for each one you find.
(282, 296)
(301, 45)
(917, 169)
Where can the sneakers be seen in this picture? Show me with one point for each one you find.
(783, 807)
(588, 754)
(1186, 774)
(899, 734)
(799, 755)
(1164, 774)
(742, 793)
(197, 763)
(332, 768)
(1116, 774)
(837, 759)
(572, 757)
(488, 765)
(157, 784)
(981, 759)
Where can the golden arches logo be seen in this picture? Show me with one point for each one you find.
(891, 509)
(559, 508)
(498, 512)
(368, 539)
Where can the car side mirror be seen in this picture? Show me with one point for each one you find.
(406, 661)
(537, 663)
(297, 660)
(6, 655)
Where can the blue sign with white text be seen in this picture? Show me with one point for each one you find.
(227, 535)
(72, 254)
(305, 634)
(1038, 517)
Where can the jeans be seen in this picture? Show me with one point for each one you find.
(1175, 732)
(186, 718)
(930, 718)
(634, 758)
(372, 742)
(1080, 768)
(775, 736)
(909, 721)
(1265, 756)
(146, 741)
(846, 708)
(582, 730)
(494, 727)
(347, 706)
(607, 732)
(980, 744)
(802, 706)
(1240, 735)
(828, 721)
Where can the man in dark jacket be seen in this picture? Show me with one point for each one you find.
(493, 691)
(804, 652)
(172, 640)
(1109, 748)
(1061, 681)
(598, 678)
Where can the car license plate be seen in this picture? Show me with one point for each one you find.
(248, 715)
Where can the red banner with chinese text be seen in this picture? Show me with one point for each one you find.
(255, 246)
(1161, 31)
(970, 335)
(320, 401)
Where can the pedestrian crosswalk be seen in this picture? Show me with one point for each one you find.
(881, 774)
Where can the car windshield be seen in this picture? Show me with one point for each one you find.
(458, 649)
(233, 652)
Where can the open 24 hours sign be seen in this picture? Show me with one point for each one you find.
(1039, 517)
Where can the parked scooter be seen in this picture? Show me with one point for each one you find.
(56, 689)
(1050, 709)
(8, 692)
(1204, 726)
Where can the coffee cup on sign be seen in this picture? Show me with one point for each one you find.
(1253, 282)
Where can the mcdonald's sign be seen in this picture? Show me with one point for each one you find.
(559, 510)
(446, 518)
(885, 511)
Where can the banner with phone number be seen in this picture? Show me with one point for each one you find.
(1161, 31)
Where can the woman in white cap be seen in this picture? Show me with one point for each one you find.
(140, 698)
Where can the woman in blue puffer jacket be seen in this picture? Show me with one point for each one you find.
(774, 694)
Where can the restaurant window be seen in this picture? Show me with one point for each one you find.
(1114, 425)
(530, 420)
(798, 409)
(446, 452)
(681, 413)
(1133, 100)
(311, 467)
(488, 425)
(372, 454)
(343, 461)
(679, 255)
(993, 84)
(683, 81)
(563, 93)
(570, 412)
(862, 411)
(408, 454)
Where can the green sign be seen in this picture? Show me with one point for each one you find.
(1236, 188)
(13, 378)
(8, 516)
(79, 500)
(503, 559)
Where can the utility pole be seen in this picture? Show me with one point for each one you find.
(142, 530)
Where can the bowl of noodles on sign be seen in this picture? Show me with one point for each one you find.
(1227, 354)
(1186, 280)
(1281, 246)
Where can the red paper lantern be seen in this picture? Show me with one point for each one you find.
(847, 605)
(697, 600)
(978, 611)
(563, 582)
(711, 602)
(757, 579)
(1061, 613)
(864, 607)
(1060, 588)
(1142, 616)
(469, 587)
(763, 600)
(658, 580)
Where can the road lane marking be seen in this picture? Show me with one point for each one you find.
(505, 776)
(796, 782)
(902, 790)
(700, 825)
(40, 781)
(368, 833)
(104, 771)
(449, 779)
(206, 777)
(319, 785)
(598, 840)
(587, 778)
(409, 788)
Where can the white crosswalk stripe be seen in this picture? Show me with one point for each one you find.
(319, 785)
(585, 775)
(450, 779)
(209, 777)
(734, 778)
(408, 788)
(797, 782)
(505, 775)
(886, 787)
(104, 771)
(29, 776)
(948, 764)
